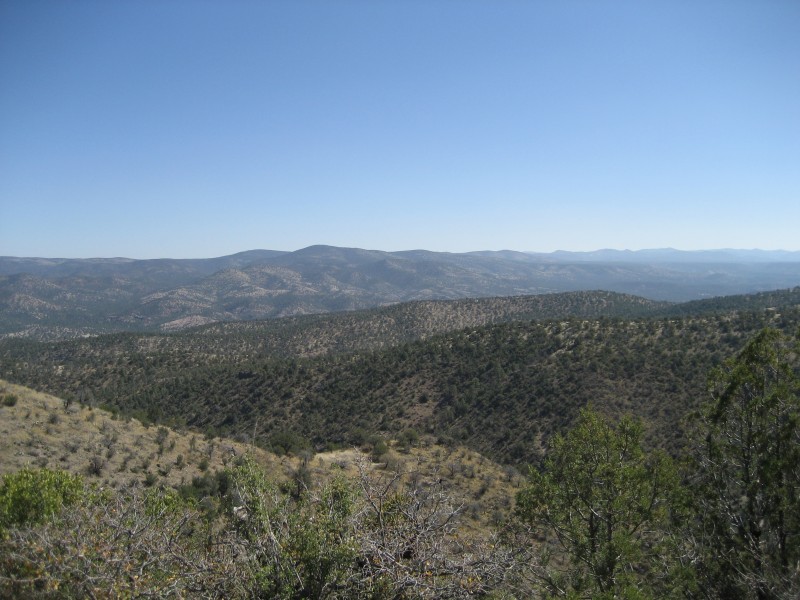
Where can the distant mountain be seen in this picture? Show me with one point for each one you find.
(152, 270)
(63, 298)
(672, 256)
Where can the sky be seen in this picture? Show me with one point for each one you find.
(190, 129)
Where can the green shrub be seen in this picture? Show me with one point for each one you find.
(288, 442)
(379, 450)
(408, 438)
(9, 400)
(33, 495)
(302, 548)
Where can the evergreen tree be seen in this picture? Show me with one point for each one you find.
(748, 473)
(601, 504)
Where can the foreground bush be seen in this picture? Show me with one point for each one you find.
(33, 495)
(365, 537)
(131, 545)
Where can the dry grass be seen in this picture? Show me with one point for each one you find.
(38, 431)
(483, 488)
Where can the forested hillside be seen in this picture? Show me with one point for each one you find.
(602, 516)
(502, 389)
(314, 335)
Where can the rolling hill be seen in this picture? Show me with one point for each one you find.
(498, 375)
(51, 299)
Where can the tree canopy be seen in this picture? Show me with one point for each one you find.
(747, 472)
(602, 504)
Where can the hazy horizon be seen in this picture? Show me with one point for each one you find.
(639, 251)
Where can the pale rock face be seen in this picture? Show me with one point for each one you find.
(185, 322)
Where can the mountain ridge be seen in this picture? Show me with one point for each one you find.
(63, 298)
(740, 254)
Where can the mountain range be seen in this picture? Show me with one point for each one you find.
(50, 298)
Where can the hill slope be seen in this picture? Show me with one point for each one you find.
(502, 389)
(119, 453)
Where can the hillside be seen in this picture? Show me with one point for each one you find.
(115, 452)
(50, 299)
(364, 436)
(501, 389)
(117, 526)
(315, 335)
(40, 431)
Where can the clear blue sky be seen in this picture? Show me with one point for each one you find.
(201, 128)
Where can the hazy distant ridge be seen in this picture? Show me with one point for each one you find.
(671, 255)
(48, 298)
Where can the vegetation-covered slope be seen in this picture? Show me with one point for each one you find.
(713, 524)
(602, 517)
(502, 389)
